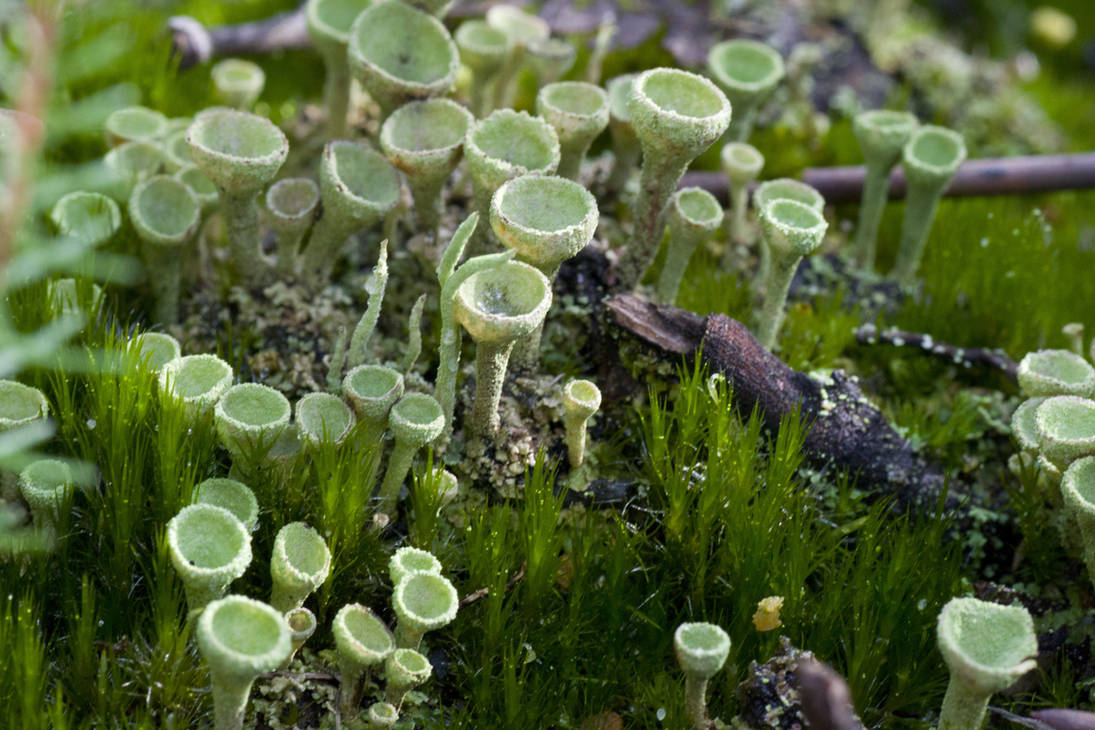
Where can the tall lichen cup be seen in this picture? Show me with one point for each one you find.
(404, 669)
(503, 146)
(1065, 425)
(209, 548)
(742, 163)
(626, 149)
(166, 215)
(129, 163)
(748, 71)
(46, 485)
(232, 495)
(197, 381)
(240, 153)
(302, 624)
(329, 23)
(882, 135)
(323, 419)
(238, 83)
(522, 29)
(578, 112)
(292, 205)
(90, 217)
(133, 124)
(550, 59)
(299, 564)
(581, 399)
(498, 306)
(546, 220)
(362, 641)
(694, 216)
(372, 391)
(1078, 492)
(202, 187)
(930, 159)
(241, 639)
(701, 650)
(423, 602)
(156, 349)
(676, 115)
(483, 49)
(400, 54)
(1055, 372)
(407, 560)
(791, 231)
(415, 420)
(769, 191)
(425, 140)
(358, 187)
(987, 648)
(249, 418)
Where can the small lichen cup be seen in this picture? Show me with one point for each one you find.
(292, 205)
(130, 163)
(238, 83)
(133, 124)
(329, 23)
(425, 141)
(299, 565)
(156, 349)
(1055, 372)
(400, 54)
(90, 217)
(483, 49)
(249, 418)
(358, 187)
(742, 164)
(503, 146)
(1066, 428)
(422, 602)
(382, 715)
(1078, 493)
(930, 159)
(701, 650)
(202, 187)
(791, 231)
(197, 381)
(626, 149)
(209, 548)
(694, 216)
(404, 669)
(498, 306)
(415, 420)
(241, 639)
(362, 641)
(166, 215)
(232, 495)
(522, 29)
(176, 151)
(240, 153)
(323, 419)
(781, 188)
(987, 648)
(579, 113)
(581, 399)
(372, 391)
(20, 405)
(882, 135)
(676, 115)
(407, 560)
(302, 625)
(46, 486)
(748, 71)
(550, 59)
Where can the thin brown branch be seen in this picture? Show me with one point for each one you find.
(484, 592)
(967, 357)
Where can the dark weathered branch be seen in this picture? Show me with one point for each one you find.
(987, 176)
(846, 430)
(967, 357)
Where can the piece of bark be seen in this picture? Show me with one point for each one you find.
(846, 431)
(986, 176)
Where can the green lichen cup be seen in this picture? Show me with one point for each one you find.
(240, 153)
(358, 187)
(299, 565)
(676, 116)
(46, 486)
(249, 418)
(90, 217)
(372, 391)
(748, 71)
(404, 669)
(1066, 428)
(302, 625)
(578, 112)
(209, 548)
(362, 641)
(197, 381)
(129, 164)
(400, 54)
(1055, 372)
(1078, 493)
(483, 49)
(422, 602)
(694, 216)
(626, 149)
(522, 30)
(550, 59)
(176, 151)
(20, 405)
(202, 187)
(415, 420)
(166, 214)
(701, 650)
(792, 231)
(382, 715)
(425, 140)
(232, 495)
(292, 205)
(240, 639)
(133, 124)
(581, 399)
(329, 23)
(407, 560)
(882, 135)
(498, 306)
(156, 349)
(931, 159)
(742, 164)
(323, 419)
(238, 83)
(782, 188)
(505, 145)
(987, 648)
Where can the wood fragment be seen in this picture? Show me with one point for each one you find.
(846, 432)
(967, 357)
(826, 699)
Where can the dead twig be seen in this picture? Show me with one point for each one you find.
(967, 357)
(484, 592)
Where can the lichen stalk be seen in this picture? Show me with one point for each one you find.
(491, 361)
(695, 700)
(776, 286)
(964, 707)
(921, 202)
(658, 179)
(873, 203)
(739, 204)
(399, 463)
